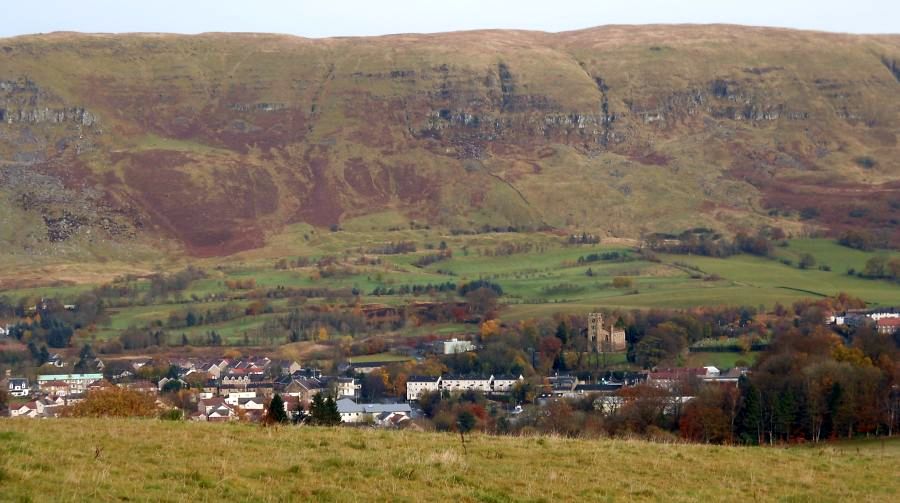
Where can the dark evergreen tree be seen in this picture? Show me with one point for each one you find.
(750, 421)
(85, 359)
(331, 415)
(44, 356)
(562, 332)
(276, 412)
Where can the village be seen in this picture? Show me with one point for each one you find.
(244, 388)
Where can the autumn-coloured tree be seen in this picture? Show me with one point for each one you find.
(490, 328)
(115, 402)
(706, 417)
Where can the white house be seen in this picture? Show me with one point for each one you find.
(56, 361)
(454, 346)
(18, 387)
(504, 384)
(346, 387)
(4, 330)
(416, 385)
(35, 408)
(352, 412)
(251, 404)
(881, 315)
(30, 409)
(234, 397)
(471, 383)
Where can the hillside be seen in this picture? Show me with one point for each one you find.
(145, 145)
(157, 461)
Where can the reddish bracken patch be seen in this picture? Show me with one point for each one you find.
(841, 207)
(650, 158)
(837, 205)
(217, 218)
(319, 205)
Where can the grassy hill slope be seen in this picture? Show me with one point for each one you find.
(154, 461)
(215, 143)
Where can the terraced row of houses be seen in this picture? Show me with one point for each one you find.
(416, 385)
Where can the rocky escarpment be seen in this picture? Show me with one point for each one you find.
(216, 141)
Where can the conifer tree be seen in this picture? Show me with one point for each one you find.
(276, 413)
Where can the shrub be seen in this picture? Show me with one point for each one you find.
(866, 162)
(115, 402)
(622, 282)
(809, 213)
(806, 261)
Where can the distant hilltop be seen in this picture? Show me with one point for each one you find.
(211, 144)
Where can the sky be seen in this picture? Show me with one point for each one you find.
(327, 18)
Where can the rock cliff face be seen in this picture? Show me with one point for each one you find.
(215, 141)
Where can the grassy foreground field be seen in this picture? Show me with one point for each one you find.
(154, 461)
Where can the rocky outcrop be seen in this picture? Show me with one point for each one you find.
(217, 152)
(74, 115)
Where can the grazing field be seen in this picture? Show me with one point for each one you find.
(719, 360)
(380, 357)
(539, 273)
(147, 460)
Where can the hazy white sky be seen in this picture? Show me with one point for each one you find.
(323, 18)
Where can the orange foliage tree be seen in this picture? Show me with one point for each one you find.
(115, 402)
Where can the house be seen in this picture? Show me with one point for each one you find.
(30, 409)
(236, 379)
(140, 362)
(732, 377)
(292, 406)
(221, 414)
(213, 369)
(343, 387)
(454, 346)
(505, 383)
(887, 326)
(463, 383)
(562, 385)
(206, 406)
(142, 386)
(352, 412)
(416, 385)
(56, 360)
(261, 386)
(669, 377)
(161, 385)
(858, 317)
(55, 388)
(100, 384)
(287, 366)
(254, 403)
(304, 388)
(233, 397)
(18, 387)
(35, 408)
(4, 330)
